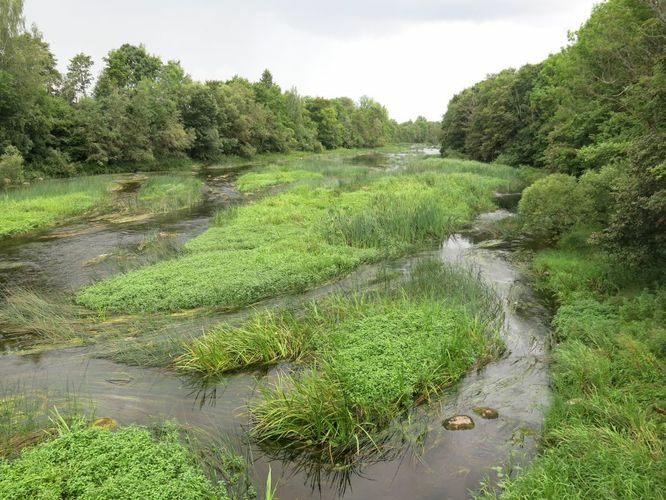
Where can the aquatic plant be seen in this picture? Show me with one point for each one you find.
(166, 193)
(271, 176)
(368, 357)
(48, 203)
(299, 238)
(97, 463)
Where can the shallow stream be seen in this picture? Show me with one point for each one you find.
(439, 463)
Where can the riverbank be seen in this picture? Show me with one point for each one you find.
(603, 434)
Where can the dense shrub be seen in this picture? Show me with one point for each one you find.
(11, 166)
(550, 206)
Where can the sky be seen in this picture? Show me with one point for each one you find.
(410, 55)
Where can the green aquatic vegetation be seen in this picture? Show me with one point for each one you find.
(297, 239)
(603, 435)
(272, 176)
(515, 179)
(45, 318)
(367, 370)
(367, 357)
(407, 211)
(265, 338)
(166, 193)
(29, 417)
(97, 463)
(50, 202)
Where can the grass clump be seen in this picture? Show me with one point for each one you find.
(43, 318)
(366, 358)
(48, 203)
(300, 238)
(166, 193)
(272, 176)
(97, 463)
(604, 433)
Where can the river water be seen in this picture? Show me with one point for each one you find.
(439, 463)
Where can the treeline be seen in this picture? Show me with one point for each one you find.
(419, 131)
(598, 106)
(142, 109)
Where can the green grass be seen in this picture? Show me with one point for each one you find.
(97, 463)
(27, 417)
(302, 237)
(604, 433)
(46, 319)
(367, 358)
(166, 193)
(50, 202)
(272, 176)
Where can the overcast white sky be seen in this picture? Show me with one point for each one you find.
(411, 55)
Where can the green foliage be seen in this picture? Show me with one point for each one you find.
(374, 356)
(255, 181)
(300, 238)
(45, 203)
(97, 463)
(264, 339)
(165, 193)
(550, 206)
(11, 166)
(598, 103)
(603, 434)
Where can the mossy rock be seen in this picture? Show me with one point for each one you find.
(458, 423)
(104, 423)
(485, 412)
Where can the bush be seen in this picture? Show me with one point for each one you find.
(57, 164)
(11, 166)
(550, 206)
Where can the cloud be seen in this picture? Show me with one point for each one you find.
(412, 56)
(359, 17)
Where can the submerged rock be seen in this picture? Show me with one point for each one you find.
(458, 423)
(104, 423)
(485, 412)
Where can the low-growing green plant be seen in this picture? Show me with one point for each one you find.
(265, 338)
(603, 434)
(369, 357)
(300, 238)
(368, 369)
(98, 463)
(41, 317)
(272, 176)
(166, 193)
(49, 202)
(29, 417)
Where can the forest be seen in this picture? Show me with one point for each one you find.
(226, 290)
(595, 110)
(139, 111)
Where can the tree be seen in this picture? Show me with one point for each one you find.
(78, 78)
(12, 24)
(125, 67)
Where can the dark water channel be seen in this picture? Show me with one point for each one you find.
(444, 464)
